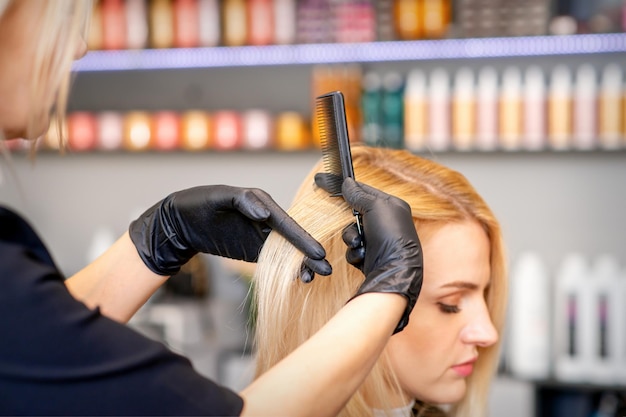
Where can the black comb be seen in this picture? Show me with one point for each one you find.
(330, 115)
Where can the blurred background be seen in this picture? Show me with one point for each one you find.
(524, 97)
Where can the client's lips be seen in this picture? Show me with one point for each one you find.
(466, 368)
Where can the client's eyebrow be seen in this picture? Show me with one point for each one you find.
(464, 285)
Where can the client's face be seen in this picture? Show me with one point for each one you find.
(434, 354)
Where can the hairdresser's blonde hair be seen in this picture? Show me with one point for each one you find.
(63, 23)
(289, 312)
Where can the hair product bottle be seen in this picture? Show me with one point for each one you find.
(284, 21)
(227, 130)
(166, 130)
(407, 18)
(607, 326)
(415, 107)
(439, 110)
(186, 24)
(463, 109)
(137, 131)
(292, 132)
(195, 130)
(161, 24)
(436, 18)
(610, 107)
(260, 22)
(110, 131)
(392, 110)
(529, 318)
(487, 109)
(234, 22)
(585, 108)
(136, 24)
(258, 130)
(560, 108)
(371, 101)
(209, 26)
(82, 131)
(96, 29)
(572, 315)
(113, 24)
(534, 136)
(511, 109)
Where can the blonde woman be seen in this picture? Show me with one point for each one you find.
(65, 349)
(446, 356)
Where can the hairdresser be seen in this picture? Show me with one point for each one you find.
(65, 347)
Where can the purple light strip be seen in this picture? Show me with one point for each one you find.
(337, 52)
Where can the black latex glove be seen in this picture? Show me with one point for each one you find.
(221, 220)
(389, 253)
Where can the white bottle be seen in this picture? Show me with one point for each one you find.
(529, 318)
(439, 110)
(569, 312)
(619, 311)
(610, 103)
(605, 272)
(585, 108)
(534, 109)
(487, 109)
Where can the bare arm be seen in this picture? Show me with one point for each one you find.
(118, 281)
(319, 377)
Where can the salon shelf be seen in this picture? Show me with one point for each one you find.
(389, 51)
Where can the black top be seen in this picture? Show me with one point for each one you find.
(58, 357)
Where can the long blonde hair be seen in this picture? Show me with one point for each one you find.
(289, 312)
(62, 25)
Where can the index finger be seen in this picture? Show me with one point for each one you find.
(281, 222)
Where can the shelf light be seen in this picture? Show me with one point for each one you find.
(148, 59)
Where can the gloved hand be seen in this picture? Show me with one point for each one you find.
(389, 253)
(220, 220)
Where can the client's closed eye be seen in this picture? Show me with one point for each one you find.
(448, 308)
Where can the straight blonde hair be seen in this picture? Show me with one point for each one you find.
(288, 312)
(62, 24)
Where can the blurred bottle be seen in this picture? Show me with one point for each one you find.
(611, 91)
(195, 130)
(415, 111)
(535, 111)
(436, 18)
(234, 22)
(137, 131)
(529, 318)
(209, 26)
(113, 24)
(585, 108)
(439, 110)
(408, 20)
(227, 130)
(82, 131)
(487, 109)
(463, 109)
(392, 110)
(136, 24)
(110, 131)
(560, 108)
(161, 23)
(258, 130)
(186, 24)
(260, 22)
(166, 130)
(292, 133)
(284, 21)
(96, 30)
(510, 114)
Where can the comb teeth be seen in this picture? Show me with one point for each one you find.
(326, 114)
